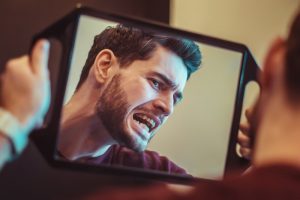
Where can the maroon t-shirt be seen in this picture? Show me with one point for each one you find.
(122, 156)
(273, 182)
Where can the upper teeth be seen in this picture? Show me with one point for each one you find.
(143, 119)
(151, 121)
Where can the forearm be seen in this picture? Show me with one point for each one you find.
(5, 150)
(13, 137)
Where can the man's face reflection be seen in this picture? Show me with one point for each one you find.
(139, 99)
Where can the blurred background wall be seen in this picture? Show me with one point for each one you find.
(254, 23)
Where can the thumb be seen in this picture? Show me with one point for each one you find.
(39, 57)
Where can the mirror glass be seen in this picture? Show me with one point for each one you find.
(193, 140)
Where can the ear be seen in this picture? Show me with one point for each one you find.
(274, 64)
(103, 65)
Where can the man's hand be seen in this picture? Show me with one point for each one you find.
(25, 86)
(244, 136)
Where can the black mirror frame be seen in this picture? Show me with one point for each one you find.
(64, 31)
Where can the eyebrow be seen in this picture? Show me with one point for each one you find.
(169, 83)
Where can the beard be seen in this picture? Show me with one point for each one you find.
(111, 108)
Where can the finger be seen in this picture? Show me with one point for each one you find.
(243, 140)
(248, 113)
(16, 63)
(16, 67)
(245, 128)
(39, 57)
(246, 153)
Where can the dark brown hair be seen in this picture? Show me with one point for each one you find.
(130, 44)
(293, 60)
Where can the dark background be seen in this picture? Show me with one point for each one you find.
(30, 176)
(21, 19)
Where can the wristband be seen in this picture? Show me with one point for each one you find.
(11, 127)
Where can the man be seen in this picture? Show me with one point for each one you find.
(24, 99)
(128, 88)
(275, 120)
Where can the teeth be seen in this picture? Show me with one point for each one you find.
(147, 122)
(150, 121)
(144, 126)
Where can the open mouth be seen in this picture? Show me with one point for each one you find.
(146, 122)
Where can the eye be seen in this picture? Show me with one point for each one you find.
(155, 84)
(175, 100)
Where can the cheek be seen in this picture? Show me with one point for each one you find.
(139, 93)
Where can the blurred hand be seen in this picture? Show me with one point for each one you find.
(25, 86)
(244, 136)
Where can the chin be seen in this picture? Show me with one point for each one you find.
(131, 139)
(139, 149)
(134, 142)
(137, 144)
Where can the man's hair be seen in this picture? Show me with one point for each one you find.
(130, 44)
(292, 60)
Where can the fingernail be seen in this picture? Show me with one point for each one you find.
(46, 45)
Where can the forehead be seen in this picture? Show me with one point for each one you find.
(165, 62)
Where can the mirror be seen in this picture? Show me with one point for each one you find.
(141, 112)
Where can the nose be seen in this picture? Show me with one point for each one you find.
(164, 104)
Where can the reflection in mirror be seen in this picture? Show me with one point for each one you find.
(132, 88)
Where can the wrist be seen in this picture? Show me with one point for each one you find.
(14, 131)
(22, 115)
(6, 149)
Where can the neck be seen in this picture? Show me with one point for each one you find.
(278, 134)
(82, 133)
